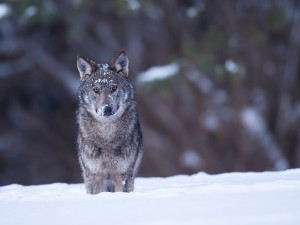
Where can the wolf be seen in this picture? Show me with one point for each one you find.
(109, 132)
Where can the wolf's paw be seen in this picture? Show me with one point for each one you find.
(92, 190)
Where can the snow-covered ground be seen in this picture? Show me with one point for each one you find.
(267, 198)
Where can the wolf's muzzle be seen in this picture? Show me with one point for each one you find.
(107, 110)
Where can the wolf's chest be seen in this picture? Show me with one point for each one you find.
(108, 160)
(107, 131)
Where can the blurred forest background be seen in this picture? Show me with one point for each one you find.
(224, 97)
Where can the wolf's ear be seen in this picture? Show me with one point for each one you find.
(121, 63)
(85, 66)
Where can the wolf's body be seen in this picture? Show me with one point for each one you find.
(109, 135)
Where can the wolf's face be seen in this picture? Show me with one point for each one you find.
(105, 90)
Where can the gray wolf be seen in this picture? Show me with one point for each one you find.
(109, 133)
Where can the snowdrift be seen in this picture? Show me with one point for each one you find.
(227, 199)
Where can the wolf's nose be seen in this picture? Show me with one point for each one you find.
(107, 110)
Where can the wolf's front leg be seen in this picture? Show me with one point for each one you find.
(94, 183)
(118, 181)
(128, 183)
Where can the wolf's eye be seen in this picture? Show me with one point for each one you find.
(114, 88)
(96, 90)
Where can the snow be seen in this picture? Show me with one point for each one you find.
(204, 83)
(133, 5)
(4, 10)
(104, 81)
(31, 11)
(231, 66)
(193, 11)
(256, 125)
(158, 73)
(210, 121)
(105, 69)
(268, 198)
(191, 159)
(253, 120)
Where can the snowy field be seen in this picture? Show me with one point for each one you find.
(226, 199)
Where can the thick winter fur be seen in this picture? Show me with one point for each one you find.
(109, 137)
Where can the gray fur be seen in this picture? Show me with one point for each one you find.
(109, 134)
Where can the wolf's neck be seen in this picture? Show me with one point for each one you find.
(103, 128)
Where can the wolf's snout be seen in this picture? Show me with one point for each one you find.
(107, 110)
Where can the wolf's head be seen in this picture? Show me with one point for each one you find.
(105, 90)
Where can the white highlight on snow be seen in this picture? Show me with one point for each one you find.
(210, 121)
(103, 81)
(231, 66)
(268, 198)
(254, 122)
(105, 66)
(30, 11)
(204, 83)
(191, 159)
(134, 4)
(5, 10)
(156, 73)
(105, 69)
(193, 11)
